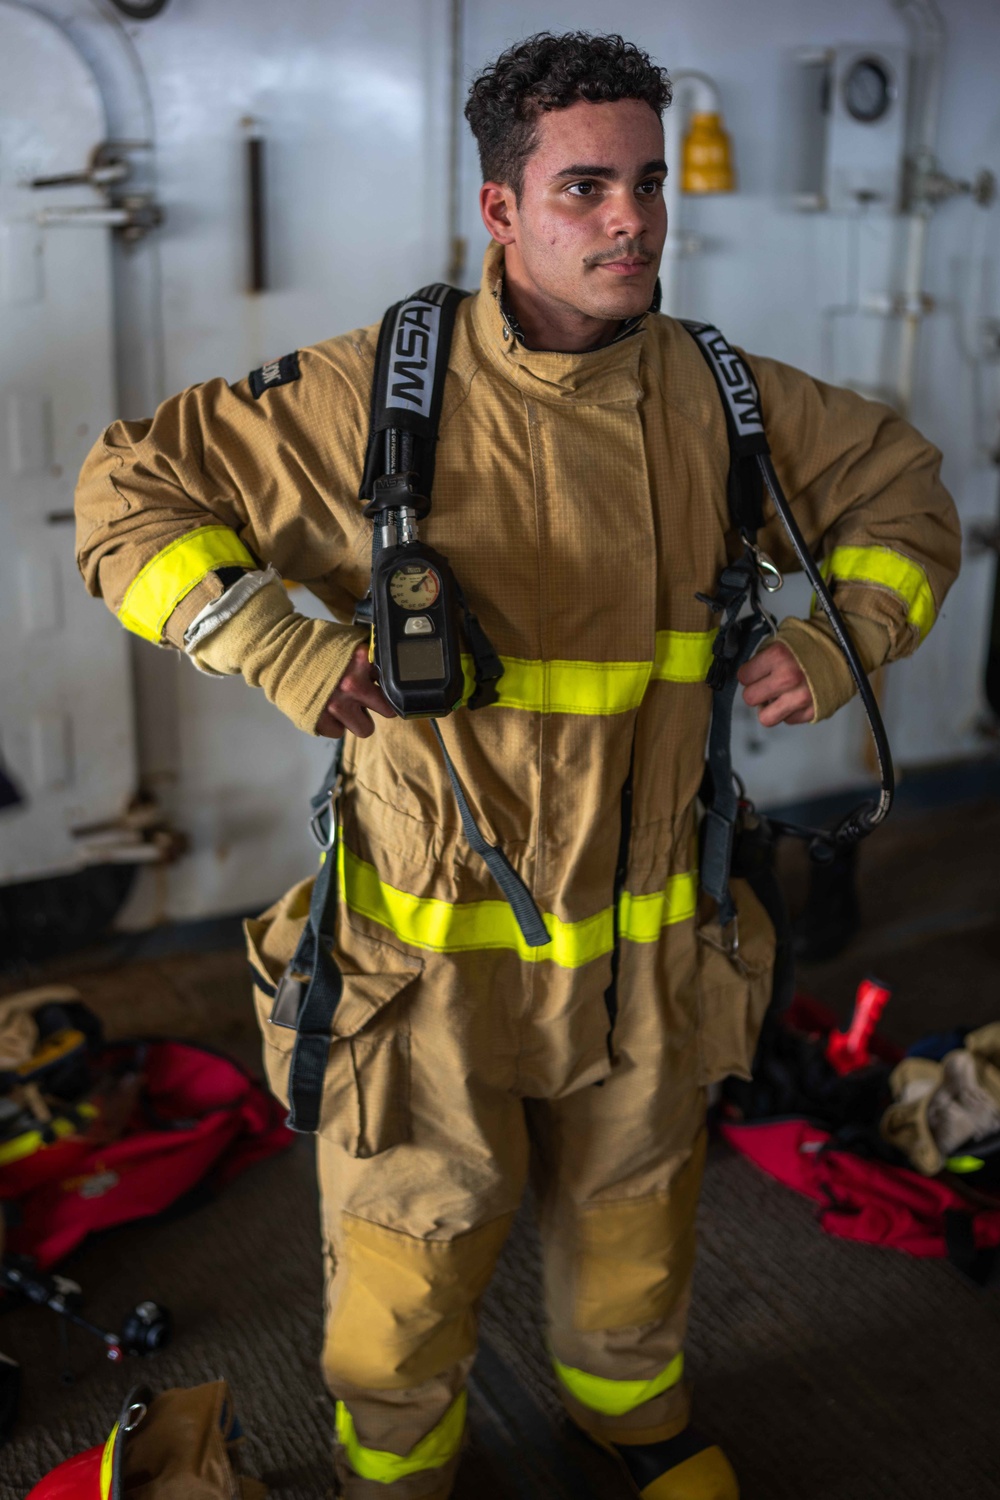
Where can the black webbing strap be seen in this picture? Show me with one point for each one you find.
(309, 991)
(411, 365)
(737, 591)
(719, 791)
(744, 426)
(487, 668)
(621, 874)
(518, 897)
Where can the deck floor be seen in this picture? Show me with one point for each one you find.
(829, 1371)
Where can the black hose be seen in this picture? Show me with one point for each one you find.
(868, 815)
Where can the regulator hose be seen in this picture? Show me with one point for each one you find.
(868, 815)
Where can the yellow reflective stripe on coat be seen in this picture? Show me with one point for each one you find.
(683, 655)
(641, 919)
(613, 1398)
(440, 1445)
(964, 1163)
(891, 570)
(465, 926)
(598, 687)
(155, 592)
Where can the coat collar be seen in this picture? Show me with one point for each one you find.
(596, 377)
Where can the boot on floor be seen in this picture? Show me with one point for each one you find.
(685, 1467)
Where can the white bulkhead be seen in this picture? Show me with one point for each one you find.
(353, 104)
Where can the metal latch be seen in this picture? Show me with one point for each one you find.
(132, 215)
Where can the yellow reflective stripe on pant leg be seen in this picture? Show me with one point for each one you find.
(613, 1398)
(890, 570)
(434, 1450)
(598, 687)
(463, 927)
(155, 592)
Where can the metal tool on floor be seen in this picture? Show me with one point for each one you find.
(145, 1327)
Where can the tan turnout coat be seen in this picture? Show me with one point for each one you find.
(581, 500)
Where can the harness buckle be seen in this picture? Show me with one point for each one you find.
(731, 940)
(323, 823)
(770, 576)
(287, 1000)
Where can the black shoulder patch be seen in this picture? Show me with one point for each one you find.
(274, 372)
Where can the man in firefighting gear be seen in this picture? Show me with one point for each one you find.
(580, 496)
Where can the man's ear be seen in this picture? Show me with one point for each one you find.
(499, 209)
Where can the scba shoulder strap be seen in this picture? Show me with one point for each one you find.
(411, 365)
(745, 624)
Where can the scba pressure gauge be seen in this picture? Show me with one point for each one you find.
(416, 642)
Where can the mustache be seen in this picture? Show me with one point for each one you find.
(624, 250)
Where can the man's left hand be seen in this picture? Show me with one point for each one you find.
(775, 685)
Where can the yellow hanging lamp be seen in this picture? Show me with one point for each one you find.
(707, 155)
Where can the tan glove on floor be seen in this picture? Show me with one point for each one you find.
(814, 646)
(942, 1105)
(297, 661)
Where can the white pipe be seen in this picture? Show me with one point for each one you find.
(927, 28)
(456, 243)
(687, 82)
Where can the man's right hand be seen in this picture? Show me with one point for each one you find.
(347, 708)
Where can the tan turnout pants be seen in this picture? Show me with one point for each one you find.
(453, 1078)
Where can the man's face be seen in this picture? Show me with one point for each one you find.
(589, 225)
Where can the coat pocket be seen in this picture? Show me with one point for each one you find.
(734, 990)
(365, 1107)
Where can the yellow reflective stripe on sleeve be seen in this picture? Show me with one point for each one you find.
(642, 918)
(107, 1464)
(613, 1398)
(155, 592)
(964, 1163)
(466, 926)
(891, 570)
(683, 655)
(434, 1450)
(598, 687)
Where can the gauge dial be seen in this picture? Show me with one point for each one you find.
(415, 586)
(868, 90)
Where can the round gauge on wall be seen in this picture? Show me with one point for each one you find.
(415, 586)
(869, 90)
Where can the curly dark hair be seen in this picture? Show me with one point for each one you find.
(551, 72)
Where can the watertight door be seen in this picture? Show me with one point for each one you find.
(66, 723)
